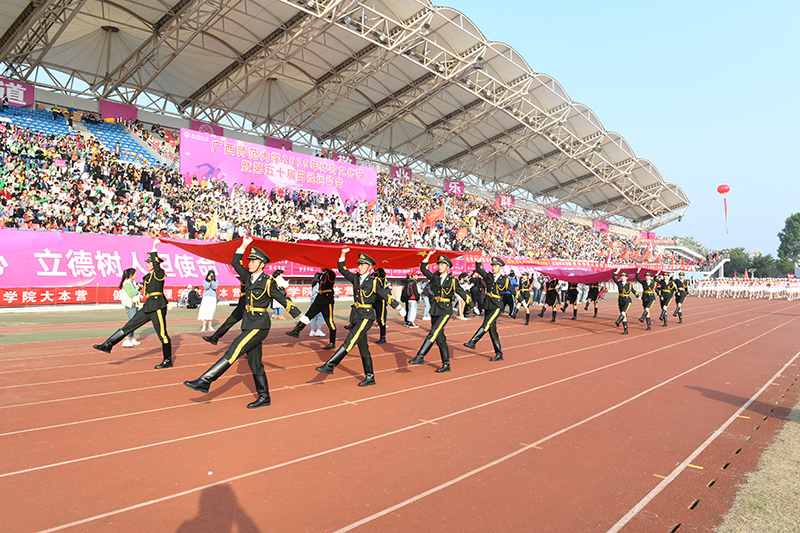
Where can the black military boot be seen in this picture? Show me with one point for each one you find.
(167, 362)
(595, 312)
(445, 353)
(554, 315)
(675, 313)
(475, 338)
(625, 325)
(424, 349)
(382, 340)
(648, 324)
(332, 344)
(575, 314)
(680, 317)
(527, 317)
(665, 321)
(217, 335)
(663, 316)
(110, 342)
(212, 374)
(619, 320)
(586, 307)
(513, 312)
(335, 359)
(541, 315)
(263, 391)
(369, 375)
(498, 350)
(296, 331)
(644, 315)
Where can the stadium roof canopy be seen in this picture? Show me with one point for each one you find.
(400, 81)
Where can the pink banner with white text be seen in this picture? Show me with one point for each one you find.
(456, 188)
(239, 162)
(19, 94)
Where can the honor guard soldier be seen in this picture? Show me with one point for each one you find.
(444, 287)
(525, 296)
(366, 289)
(648, 295)
(625, 290)
(572, 299)
(592, 297)
(232, 320)
(322, 304)
(666, 288)
(154, 311)
(260, 290)
(380, 306)
(496, 284)
(681, 290)
(550, 298)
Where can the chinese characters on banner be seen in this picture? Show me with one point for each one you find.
(401, 173)
(456, 188)
(238, 162)
(19, 94)
(344, 158)
(505, 200)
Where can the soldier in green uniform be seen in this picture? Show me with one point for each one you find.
(380, 306)
(154, 311)
(444, 287)
(496, 284)
(260, 290)
(525, 296)
(323, 303)
(232, 320)
(666, 288)
(366, 289)
(681, 290)
(625, 290)
(648, 295)
(550, 298)
(592, 297)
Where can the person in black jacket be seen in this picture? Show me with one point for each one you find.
(625, 290)
(648, 295)
(260, 290)
(665, 290)
(681, 290)
(550, 298)
(154, 310)
(496, 283)
(411, 298)
(477, 292)
(193, 299)
(323, 303)
(592, 297)
(366, 290)
(444, 287)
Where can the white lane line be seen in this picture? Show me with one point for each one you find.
(545, 439)
(414, 426)
(686, 462)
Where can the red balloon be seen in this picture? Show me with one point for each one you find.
(723, 189)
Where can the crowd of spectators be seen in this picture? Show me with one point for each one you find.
(73, 183)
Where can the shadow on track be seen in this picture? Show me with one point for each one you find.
(220, 512)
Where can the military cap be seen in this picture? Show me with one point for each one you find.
(150, 259)
(623, 273)
(446, 260)
(364, 258)
(255, 253)
(681, 274)
(498, 261)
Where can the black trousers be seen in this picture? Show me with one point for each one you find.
(380, 311)
(490, 323)
(158, 318)
(665, 301)
(235, 316)
(680, 297)
(249, 342)
(325, 309)
(624, 304)
(358, 337)
(436, 333)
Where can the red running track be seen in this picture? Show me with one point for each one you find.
(579, 430)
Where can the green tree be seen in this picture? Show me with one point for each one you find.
(790, 239)
(739, 261)
(766, 266)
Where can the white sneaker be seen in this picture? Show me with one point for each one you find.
(320, 333)
(135, 342)
(203, 328)
(127, 343)
(313, 333)
(426, 318)
(210, 328)
(412, 325)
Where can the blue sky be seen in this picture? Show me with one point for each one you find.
(707, 91)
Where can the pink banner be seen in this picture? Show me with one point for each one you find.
(205, 127)
(280, 144)
(553, 212)
(600, 225)
(506, 200)
(238, 162)
(344, 158)
(401, 173)
(115, 110)
(19, 94)
(456, 188)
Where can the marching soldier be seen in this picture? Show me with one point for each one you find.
(525, 296)
(236, 315)
(380, 306)
(366, 289)
(572, 299)
(550, 298)
(666, 288)
(496, 284)
(154, 310)
(681, 290)
(625, 290)
(648, 295)
(444, 287)
(322, 304)
(260, 290)
(592, 297)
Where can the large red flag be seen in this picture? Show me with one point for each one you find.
(432, 216)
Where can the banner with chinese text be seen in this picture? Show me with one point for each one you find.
(19, 94)
(238, 162)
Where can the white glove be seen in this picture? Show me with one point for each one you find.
(305, 320)
(402, 311)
